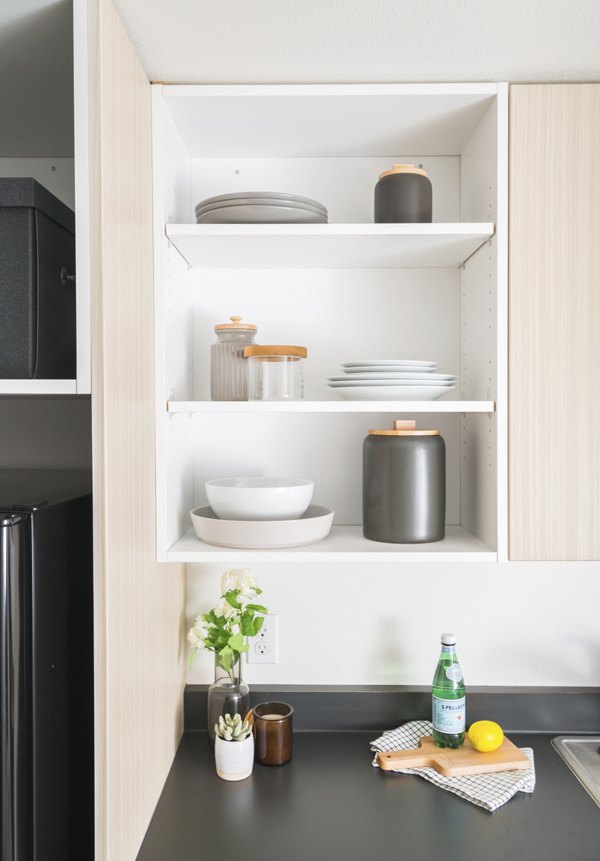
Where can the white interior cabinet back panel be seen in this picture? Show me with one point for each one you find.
(347, 290)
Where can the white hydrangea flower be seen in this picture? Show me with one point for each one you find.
(197, 635)
(224, 608)
(237, 578)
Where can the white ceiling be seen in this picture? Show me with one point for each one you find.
(288, 41)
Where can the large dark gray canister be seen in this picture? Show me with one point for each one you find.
(404, 485)
(403, 194)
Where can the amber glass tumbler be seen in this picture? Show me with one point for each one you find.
(272, 733)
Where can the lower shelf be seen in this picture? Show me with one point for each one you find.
(344, 544)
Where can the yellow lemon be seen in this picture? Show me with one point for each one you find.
(485, 735)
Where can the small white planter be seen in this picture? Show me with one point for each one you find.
(234, 759)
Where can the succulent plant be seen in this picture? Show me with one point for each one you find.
(233, 728)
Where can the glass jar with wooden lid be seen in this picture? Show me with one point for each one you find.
(228, 370)
(275, 372)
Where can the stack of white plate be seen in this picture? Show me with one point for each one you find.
(260, 207)
(391, 380)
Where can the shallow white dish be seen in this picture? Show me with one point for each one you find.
(411, 363)
(392, 393)
(366, 383)
(393, 375)
(261, 214)
(267, 195)
(314, 525)
(259, 497)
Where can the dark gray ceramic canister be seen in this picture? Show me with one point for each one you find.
(403, 194)
(404, 485)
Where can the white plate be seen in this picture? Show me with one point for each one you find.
(425, 376)
(410, 363)
(263, 195)
(392, 393)
(261, 214)
(257, 201)
(314, 525)
(366, 383)
(387, 369)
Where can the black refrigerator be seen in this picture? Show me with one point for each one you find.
(46, 665)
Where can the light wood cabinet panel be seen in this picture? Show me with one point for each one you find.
(139, 604)
(554, 322)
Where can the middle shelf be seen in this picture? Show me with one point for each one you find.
(328, 246)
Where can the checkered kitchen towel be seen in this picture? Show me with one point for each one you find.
(489, 791)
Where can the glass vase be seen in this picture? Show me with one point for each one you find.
(228, 694)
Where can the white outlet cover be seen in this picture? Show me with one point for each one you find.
(263, 648)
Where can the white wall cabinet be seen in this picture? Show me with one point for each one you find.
(348, 289)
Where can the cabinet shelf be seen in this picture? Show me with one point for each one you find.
(344, 544)
(266, 407)
(328, 246)
(38, 387)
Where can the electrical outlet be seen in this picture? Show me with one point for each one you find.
(263, 648)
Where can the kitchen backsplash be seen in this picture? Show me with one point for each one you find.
(379, 624)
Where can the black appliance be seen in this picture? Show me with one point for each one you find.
(46, 666)
(37, 283)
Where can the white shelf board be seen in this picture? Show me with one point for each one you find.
(38, 387)
(343, 544)
(327, 246)
(331, 406)
(331, 120)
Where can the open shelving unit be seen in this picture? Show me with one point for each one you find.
(346, 289)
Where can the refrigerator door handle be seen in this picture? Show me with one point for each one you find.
(12, 721)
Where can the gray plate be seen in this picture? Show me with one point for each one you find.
(257, 201)
(263, 195)
(261, 214)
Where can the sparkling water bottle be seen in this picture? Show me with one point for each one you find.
(448, 697)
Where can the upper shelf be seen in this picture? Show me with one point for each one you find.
(326, 120)
(331, 406)
(327, 246)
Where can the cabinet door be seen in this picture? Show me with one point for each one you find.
(554, 322)
(138, 603)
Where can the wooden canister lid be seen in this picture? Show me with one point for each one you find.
(404, 427)
(236, 323)
(403, 168)
(266, 350)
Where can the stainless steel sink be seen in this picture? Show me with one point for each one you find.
(582, 755)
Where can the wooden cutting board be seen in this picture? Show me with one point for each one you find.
(453, 762)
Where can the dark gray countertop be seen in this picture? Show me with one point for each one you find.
(330, 803)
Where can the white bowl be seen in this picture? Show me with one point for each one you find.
(259, 497)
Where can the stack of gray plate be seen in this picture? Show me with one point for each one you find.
(260, 207)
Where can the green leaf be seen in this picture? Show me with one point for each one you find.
(231, 598)
(236, 642)
(257, 608)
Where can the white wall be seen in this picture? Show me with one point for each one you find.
(517, 623)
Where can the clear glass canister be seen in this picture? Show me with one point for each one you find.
(275, 372)
(228, 370)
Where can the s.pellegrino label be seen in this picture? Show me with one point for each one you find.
(448, 715)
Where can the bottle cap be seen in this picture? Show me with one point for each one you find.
(448, 639)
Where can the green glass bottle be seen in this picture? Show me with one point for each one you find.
(448, 697)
